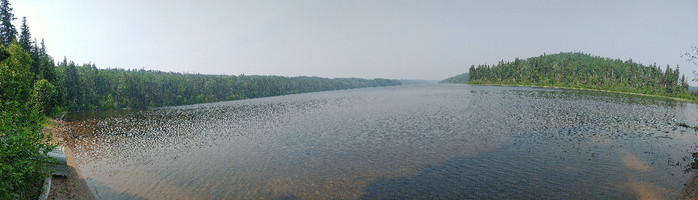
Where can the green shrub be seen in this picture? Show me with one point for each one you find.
(45, 97)
(23, 151)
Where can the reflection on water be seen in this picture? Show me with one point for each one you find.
(433, 141)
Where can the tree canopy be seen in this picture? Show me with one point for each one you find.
(89, 88)
(580, 70)
(8, 32)
(25, 36)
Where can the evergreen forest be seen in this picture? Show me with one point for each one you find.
(584, 71)
(86, 87)
(460, 78)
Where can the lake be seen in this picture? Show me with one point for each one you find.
(417, 141)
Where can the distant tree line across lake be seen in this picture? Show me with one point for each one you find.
(28, 75)
(580, 70)
(89, 88)
(460, 78)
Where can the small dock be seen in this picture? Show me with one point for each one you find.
(59, 169)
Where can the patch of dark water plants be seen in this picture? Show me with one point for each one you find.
(681, 124)
(693, 165)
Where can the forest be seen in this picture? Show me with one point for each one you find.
(33, 87)
(86, 87)
(584, 71)
(29, 75)
(460, 78)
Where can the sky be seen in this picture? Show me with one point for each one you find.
(397, 39)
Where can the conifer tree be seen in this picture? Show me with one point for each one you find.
(33, 52)
(72, 83)
(8, 32)
(42, 50)
(25, 36)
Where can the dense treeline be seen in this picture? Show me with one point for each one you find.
(579, 70)
(89, 88)
(32, 77)
(35, 79)
(460, 78)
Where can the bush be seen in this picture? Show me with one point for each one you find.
(45, 97)
(23, 151)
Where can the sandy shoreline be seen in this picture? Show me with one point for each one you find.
(73, 186)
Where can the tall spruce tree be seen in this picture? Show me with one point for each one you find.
(25, 36)
(42, 49)
(71, 81)
(33, 52)
(8, 32)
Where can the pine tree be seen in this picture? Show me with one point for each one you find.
(33, 46)
(42, 50)
(72, 83)
(33, 52)
(25, 36)
(8, 32)
(45, 64)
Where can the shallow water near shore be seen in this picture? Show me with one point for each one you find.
(419, 141)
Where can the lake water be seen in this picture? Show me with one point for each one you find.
(422, 142)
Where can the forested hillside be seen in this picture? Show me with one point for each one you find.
(89, 88)
(579, 70)
(30, 76)
(460, 78)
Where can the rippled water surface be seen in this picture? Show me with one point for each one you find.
(430, 141)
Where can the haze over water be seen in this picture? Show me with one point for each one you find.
(425, 141)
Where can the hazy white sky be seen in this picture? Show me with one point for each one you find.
(399, 39)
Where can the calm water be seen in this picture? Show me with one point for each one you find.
(430, 141)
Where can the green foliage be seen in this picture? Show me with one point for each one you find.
(23, 144)
(15, 77)
(88, 88)
(28, 73)
(71, 81)
(461, 78)
(45, 97)
(46, 68)
(8, 32)
(130, 90)
(25, 36)
(4, 54)
(580, 70)
(23, 151)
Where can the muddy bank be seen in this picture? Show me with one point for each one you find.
(73, 186)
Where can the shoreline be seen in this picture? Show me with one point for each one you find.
(73, 186)
(595, 90)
